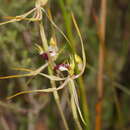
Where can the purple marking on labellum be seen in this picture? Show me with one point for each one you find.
(56, 67)
(44, 56)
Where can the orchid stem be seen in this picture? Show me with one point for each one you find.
(55, 93)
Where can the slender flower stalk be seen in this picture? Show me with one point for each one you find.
(50, 70)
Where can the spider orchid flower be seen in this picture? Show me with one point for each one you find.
(52, 51)
(62, 67)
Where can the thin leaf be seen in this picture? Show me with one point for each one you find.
(32, 91)
(53, 23)
(48, 90)
(52, 77)
(16, 76)
(82, 46)
(18, 18)
(73, 89)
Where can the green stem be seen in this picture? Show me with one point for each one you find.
(73, 105)
(56, 96)
(82, 91)
(83, 98)
(68, 23)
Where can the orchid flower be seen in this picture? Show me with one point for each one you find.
(53, 52)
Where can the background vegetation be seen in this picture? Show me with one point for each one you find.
(103, 89)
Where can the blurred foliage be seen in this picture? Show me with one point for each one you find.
(39, 111)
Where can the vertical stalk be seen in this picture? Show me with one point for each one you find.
(82, 91)
(74, 110)
(83, 100)
(68, 23)
(56, 96)
(100, 81)
(119, 112)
